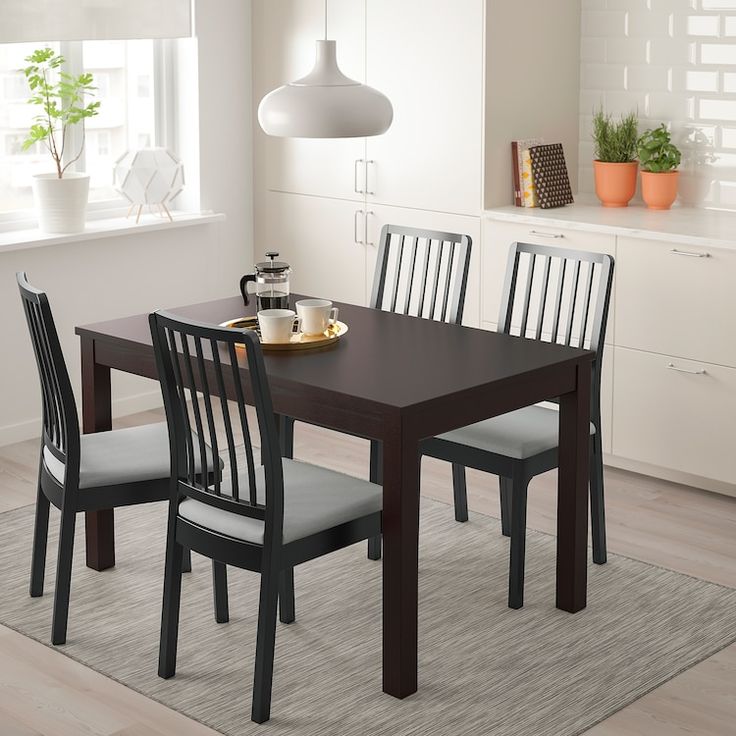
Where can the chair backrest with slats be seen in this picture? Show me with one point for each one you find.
(559, 296)
(60, 420)
(423, 273)
(206, 375)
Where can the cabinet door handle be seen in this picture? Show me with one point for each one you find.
(699, 372)
(689, 253)
(355, 176)
(355, 227)
(367, 214)
(541, 234)
(369, 161)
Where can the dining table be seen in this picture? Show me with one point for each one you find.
(397, 379)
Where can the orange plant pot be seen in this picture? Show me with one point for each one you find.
(659, 190)
(615, 184)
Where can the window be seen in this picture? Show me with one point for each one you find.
(14, 87)
(129, 80)
(144, 85)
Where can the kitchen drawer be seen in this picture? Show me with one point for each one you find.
(676, 300)
(606, 391)
(675, 413)
(497, 239)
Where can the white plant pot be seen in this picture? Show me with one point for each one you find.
(61, 204)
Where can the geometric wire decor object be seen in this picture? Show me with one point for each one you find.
(149, 176)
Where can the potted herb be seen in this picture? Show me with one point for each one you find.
(659, 159)
(61, 196)
(615, 163)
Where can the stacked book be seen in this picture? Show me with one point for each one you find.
(540, 174)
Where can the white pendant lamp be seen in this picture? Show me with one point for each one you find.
(325, 103)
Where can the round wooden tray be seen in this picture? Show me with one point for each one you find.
(299, 340)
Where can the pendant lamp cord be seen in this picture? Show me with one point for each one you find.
(325, 20)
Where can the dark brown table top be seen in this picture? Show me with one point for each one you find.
(389, 359)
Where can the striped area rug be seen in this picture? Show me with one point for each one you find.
(484, 669)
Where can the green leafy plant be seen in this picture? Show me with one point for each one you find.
(61, 98)
(615, 141)
(657, 153)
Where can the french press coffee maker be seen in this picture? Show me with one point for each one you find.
(272, 284)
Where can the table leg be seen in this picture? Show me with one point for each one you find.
(400, 564)
(572, 495)
(97, 417)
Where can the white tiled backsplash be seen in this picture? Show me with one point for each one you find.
(675, 62)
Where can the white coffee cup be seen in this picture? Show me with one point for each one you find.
(316, 315)
(278, 325)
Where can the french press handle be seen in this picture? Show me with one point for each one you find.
(244, 286)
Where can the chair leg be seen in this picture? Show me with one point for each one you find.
(186, 560)
(597, 504)
(520, 483)
(63, 577)
(40, 538)
(375, 475)
(170, 612)
(287, 612)
(219, 592)
(265, 643)
(460, 492)
(506, 488)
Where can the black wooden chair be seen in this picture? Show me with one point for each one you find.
(266, 518)
(554, 295)
(81, 473)
(423, 273)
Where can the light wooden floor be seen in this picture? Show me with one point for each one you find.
(694, 532)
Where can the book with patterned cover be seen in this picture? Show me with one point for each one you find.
(528, 190)
(518, 149)
(549, 172)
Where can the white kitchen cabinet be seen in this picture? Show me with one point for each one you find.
(677, 300)
(669, 374)
(427, 57)
(319, 238)
(431, 157)
(675, 414)
(285, 32)
(379, 215)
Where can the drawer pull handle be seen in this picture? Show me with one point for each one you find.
(689, 253)
(541, 234)
(367, 170)
(355, 226)
(355, 176)
(699, 372)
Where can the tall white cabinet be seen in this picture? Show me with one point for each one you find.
(461, 91)
(321, 203)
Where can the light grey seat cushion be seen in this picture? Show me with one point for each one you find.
(519, 434)
(120, 456)
(315, 499)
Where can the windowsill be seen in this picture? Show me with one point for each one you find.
(110, 228)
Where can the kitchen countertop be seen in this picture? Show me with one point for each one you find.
(685, 225)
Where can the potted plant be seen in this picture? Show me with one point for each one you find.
(61, 196)
(615, 163)
(659, 159)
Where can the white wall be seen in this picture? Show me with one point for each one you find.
(96, 280)
(675, 62)
(532, 68)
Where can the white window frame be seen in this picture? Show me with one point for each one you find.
(165, 59)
